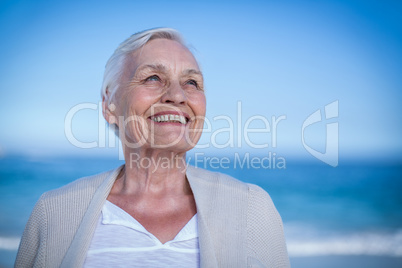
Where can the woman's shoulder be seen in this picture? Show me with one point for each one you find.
(82, 186)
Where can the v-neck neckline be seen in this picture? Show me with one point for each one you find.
(113, 214)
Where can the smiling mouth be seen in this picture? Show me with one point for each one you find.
(170, 118)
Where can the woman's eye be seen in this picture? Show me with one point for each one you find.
(192, 82)
(153, 78)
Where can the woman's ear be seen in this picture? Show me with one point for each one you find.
(108, 109)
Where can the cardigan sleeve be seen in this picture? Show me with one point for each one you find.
(31, 252)
(265, 236)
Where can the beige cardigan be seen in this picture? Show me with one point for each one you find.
(238, 224)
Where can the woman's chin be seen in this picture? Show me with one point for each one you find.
(172, 145)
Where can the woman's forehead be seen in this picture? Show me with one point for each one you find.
(164, 54)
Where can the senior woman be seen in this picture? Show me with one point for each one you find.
(154, 211)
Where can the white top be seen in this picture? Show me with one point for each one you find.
(121, 241)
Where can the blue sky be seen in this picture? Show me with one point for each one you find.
(277, 58)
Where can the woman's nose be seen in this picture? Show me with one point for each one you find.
(174, 94)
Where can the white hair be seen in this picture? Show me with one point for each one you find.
(115, 65)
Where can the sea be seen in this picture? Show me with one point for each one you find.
(344, 216)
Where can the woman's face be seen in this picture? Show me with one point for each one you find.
(161, 98)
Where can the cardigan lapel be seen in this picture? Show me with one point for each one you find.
(202, 193)
(222, 212)
(76, 254)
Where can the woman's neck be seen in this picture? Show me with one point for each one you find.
(153, 172)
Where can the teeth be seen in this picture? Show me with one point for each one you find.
(170, 118)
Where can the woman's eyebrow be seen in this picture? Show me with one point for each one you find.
(160, 68)
(191, 71)
(155, 67)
